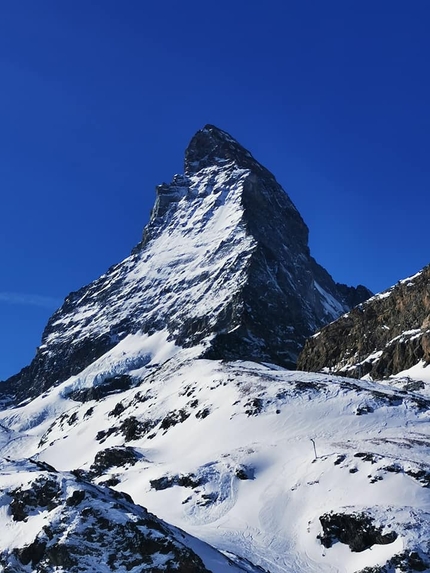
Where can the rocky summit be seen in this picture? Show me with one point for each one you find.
(224, 264)
(381, 338)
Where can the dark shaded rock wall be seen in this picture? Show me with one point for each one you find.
(385, 335)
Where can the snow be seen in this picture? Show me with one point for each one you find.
(67, 525)
(132, 354)
(353, 362)
(420, 371)
(372, 357)
(410, 280)
(417, 377)
(204, 249)
(379, 296)
(351, 562)
(410, 334)
(260, 420)
(332, 307)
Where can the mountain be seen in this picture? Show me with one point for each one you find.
(386, 336)
(158, 428)
(224, 263)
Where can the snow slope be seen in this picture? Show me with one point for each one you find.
(223, 450)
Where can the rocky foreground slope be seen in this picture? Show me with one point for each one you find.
(224, 263)
(386, 335)
(55, 521)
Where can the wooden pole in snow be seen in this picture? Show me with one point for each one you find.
(315, 448)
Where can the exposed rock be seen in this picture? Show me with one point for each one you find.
(110, 386)
(165, 482)
(118, 456)
(411, 561)
(92, 525)
(131, 428)
(174, 417)
(32, 553)
(244, 473)
(407, 562)
(385, 335)
(355, 530)
(45, 492)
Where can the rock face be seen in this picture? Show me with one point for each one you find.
(223, 263)
(385, 335)
(56, 522)
(355, 530)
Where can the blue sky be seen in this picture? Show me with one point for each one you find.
(100, 98)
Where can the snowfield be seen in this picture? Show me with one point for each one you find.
(223, 451)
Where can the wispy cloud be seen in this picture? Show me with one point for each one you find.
(30, 300)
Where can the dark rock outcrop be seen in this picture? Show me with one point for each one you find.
(85, 525)
(224, 261)
(387, 334)
(356, 530)
(118, 456)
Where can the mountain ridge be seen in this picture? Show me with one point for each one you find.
(60, 522)
(386, 335)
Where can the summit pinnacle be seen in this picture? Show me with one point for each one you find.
(212, 146)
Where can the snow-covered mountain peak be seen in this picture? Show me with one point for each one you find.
(223, 265)
(212, 146)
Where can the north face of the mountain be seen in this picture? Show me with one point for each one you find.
(224, 263)
(386, 335)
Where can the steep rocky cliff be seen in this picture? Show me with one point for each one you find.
(223, 264)
(385, 335)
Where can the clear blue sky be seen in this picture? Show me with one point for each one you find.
(99, 99)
